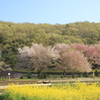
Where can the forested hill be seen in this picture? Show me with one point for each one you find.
(13, 36)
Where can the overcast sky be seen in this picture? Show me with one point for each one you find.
(50, 11)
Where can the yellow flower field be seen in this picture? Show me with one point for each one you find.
(79, 91)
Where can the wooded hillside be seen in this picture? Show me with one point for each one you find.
(17, 35)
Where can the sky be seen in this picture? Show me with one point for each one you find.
(50, 11)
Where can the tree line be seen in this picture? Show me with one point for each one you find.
(18, 35)
(65, 57)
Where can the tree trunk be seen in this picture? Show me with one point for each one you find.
(39, 74)
(93, 74)
(96, 73)
(73, 75)
(64, 73)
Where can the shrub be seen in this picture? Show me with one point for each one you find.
(29, 75)
(22, 76)
(44, 75)
(62, 76)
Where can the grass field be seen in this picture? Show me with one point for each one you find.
(78, 91)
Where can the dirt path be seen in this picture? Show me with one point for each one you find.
(4, 84)
(78, 79)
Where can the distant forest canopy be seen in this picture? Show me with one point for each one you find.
(17, 35)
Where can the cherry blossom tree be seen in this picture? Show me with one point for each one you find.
(92, 53)
(97, 47)
(75, 62)
(81, 47)
(37, 57)
(62, 47)
(95, 55)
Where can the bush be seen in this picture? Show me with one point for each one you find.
(22, 76)
(62, 76)
(29, 75)
(55, 76)
(81, 75)
(2, 97)
(49, 76)
(44, 75)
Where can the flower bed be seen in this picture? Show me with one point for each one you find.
(78, 91)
